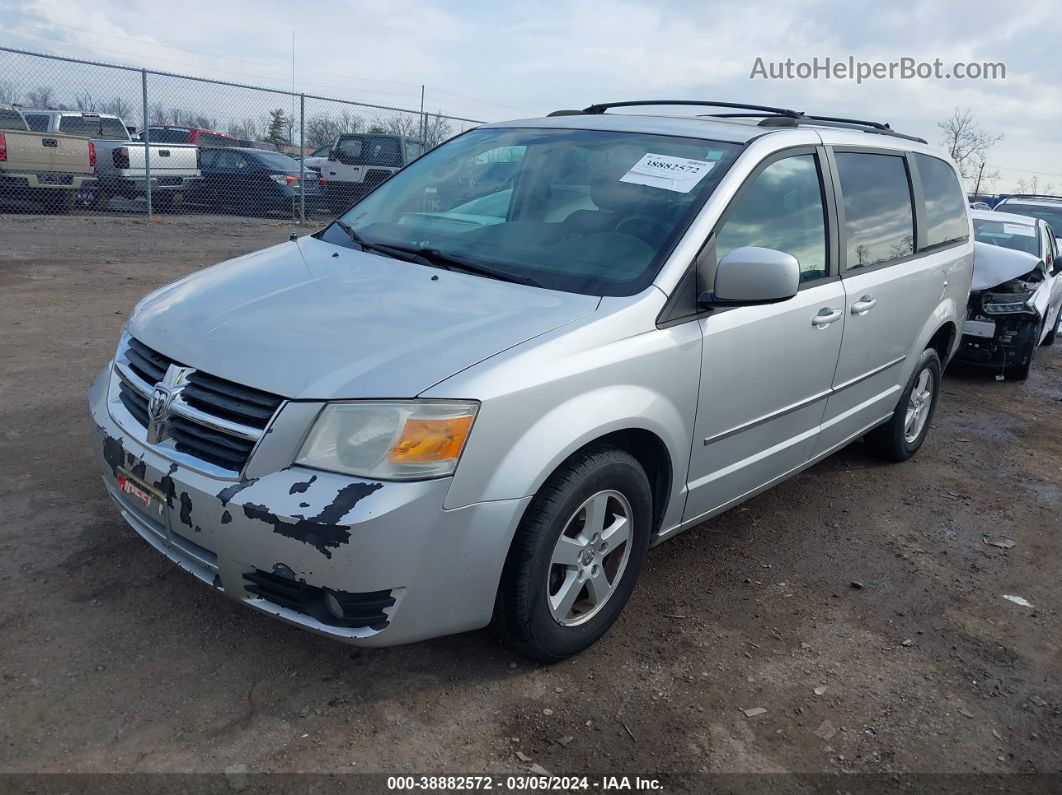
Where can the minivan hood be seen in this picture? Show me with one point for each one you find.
(310, 319)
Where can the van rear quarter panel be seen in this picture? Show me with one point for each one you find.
(547, 398)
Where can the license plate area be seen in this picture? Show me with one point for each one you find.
(986, 329)
(53, 179)
(147, 499)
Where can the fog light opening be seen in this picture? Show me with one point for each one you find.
(333, 605)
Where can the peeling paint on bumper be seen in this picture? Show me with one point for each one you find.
(332, 531)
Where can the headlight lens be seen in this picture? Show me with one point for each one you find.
(389, 440)
(1004, 307)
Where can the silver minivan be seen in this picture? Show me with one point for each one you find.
(482, 393)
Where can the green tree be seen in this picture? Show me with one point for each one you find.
(278, 128)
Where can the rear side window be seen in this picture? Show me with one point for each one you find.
(37, 122)
(94, 127)
(781, 209)
(878, 213)
(168, 135)
(945, 202)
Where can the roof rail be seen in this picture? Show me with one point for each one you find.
(1032, 196)
(770, 116)
(602, 107)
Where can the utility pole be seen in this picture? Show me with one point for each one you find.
(977, 185)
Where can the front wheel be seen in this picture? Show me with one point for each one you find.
(576, 557)
(900, 437)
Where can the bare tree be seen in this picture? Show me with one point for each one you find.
(1033, 186)
(9, 94)
(248, 129)
(437, 128)
(325, 128)
(40, 97)
(968, 144)
(119, 106)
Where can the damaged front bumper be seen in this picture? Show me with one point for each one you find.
(367, 562)
(998, 339)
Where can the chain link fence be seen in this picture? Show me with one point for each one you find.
(79, 136)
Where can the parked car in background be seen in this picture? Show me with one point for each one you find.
(199, 136)
(249, 181)
(358, 162)
(319, 158)
(1016, 296)
(47, 168)
(979, 206)
(411, 424)
(121, 170)
(1046, 208)
(251, 143)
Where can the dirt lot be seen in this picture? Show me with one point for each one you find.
(113, 659)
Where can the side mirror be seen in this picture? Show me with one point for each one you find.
(753, 275)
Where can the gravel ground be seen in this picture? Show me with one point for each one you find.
(112, 659)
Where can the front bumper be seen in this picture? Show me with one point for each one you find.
(407, 568)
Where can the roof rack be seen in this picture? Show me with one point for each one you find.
(602, 107)
(1033, 196)
(769, 116)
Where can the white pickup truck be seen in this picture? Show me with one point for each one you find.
(50, 169)
(120, 166)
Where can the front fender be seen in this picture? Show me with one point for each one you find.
(522, 465)
(542, 401)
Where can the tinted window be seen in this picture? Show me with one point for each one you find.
(1053, 215)
(168, 135)
(946, 219)
(1007, 234)
(370, 150)
(587, 211)
(94, 127)
(37, 122)
(213, 139)
(782, 209)
(276, 161)
(878, 215)
(11, 119)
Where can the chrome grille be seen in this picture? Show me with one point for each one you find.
(212, 420)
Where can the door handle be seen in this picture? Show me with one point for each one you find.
(826, 316)
(863, 305)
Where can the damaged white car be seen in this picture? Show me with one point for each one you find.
(1016, 295)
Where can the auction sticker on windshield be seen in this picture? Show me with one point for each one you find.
(678, 174)
(152, 499)
(1019, 229)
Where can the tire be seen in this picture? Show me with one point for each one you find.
(897, 440)
(599, 477)
(101, 200)
(1050, 338)
(166, 202)
(1030, 334)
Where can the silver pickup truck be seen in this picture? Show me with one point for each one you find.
(120, 167)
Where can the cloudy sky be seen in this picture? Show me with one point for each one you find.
(497, 60)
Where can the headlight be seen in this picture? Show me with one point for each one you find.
(1004, 307)
(389, 440)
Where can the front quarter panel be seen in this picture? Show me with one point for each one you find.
(544, 400)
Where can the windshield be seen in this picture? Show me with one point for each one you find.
(94, 127)
(584, 211)
(1007, 234)
(1053, 215)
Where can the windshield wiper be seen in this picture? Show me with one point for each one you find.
(434, 258)
(439, 259)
